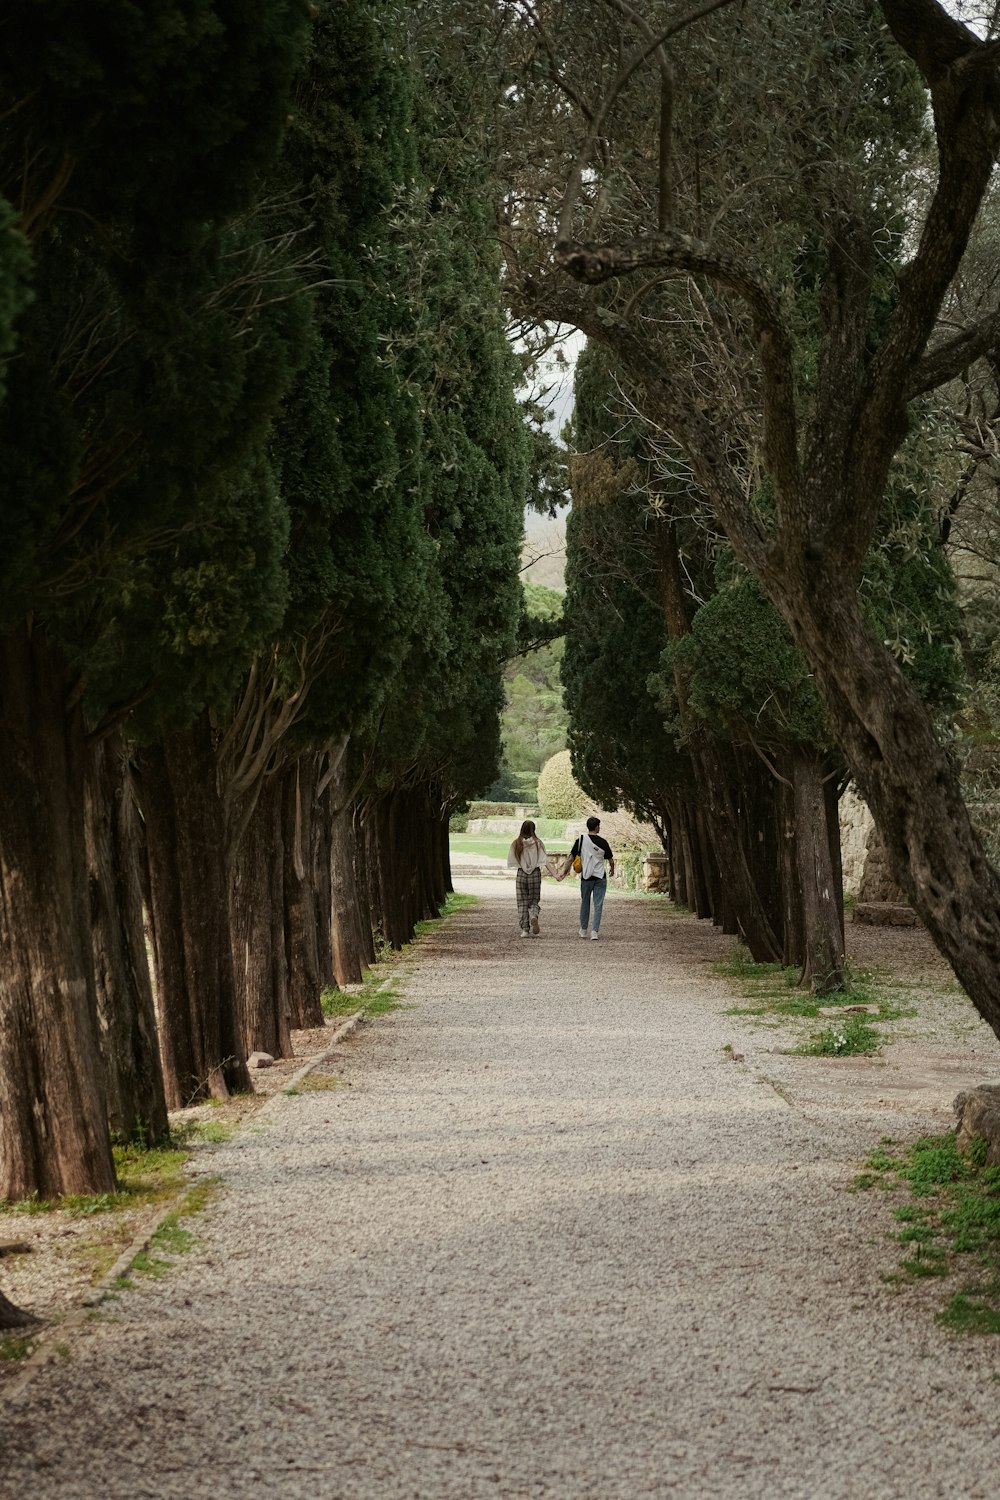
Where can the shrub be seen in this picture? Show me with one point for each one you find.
(559, 795)
(494, 809)
(623, 833)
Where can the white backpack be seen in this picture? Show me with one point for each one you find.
(591, 858)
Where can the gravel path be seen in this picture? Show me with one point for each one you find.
(544, 1241)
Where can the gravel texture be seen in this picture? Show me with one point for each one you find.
(544, 1240)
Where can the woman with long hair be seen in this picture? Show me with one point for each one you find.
(527, 856)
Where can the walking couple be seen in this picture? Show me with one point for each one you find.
(527, 854)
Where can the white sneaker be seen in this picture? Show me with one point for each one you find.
(583, 932)
(594, 936)
(525, 934)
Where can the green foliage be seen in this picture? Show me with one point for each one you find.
(852, 1035)
(438, 717)
(615, 631)
(949, 1223)
(534, 723)
(559, 795)
(745, 675)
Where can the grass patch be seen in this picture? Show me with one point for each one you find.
(318, 1083)
(493, 846)
(338, 1003)
(372, 998)
(15, 1346)
(171, 1239)
(738, 964)
(851, 1037)
(949, 1223)
(771, 994)
(148, 1264)
(146, 1175)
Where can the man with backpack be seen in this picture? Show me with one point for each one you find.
(592, 857)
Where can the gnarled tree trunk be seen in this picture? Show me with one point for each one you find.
(53, 1119)
(911, 785)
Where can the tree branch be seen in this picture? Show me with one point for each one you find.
(955, 355)
(681, 253)
(618, 84)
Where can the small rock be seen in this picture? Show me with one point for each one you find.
(260, 1060)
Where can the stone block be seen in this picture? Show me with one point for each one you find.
(977, 1113)
(885, 914)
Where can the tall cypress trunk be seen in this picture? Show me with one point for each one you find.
(823, 928)
(760, 819)
(256, 917)
(793, 946)
(711, 776)
(200, 1042)
(348, 951)
(365, 881)
(53, 1118)
(297, 796)
(133, 1076)
(321, 855)
(832, 788)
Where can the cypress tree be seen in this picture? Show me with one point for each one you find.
(143, 137)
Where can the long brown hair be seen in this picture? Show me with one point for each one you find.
(527, 832)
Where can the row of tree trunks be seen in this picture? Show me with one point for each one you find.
(53, 1118)
(202, 1049)
(776, 857)
(781, 836)
(113, 862)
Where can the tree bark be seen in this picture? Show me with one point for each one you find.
(349, 950)
(256, 916)
(53, 1117)
(297, 797)
(133, 1075)
(322, 854)
(823, 928)
(200, 1042)
(793, 946)
(15, 1317)
(910, 784)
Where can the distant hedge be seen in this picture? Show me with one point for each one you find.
(497, 809)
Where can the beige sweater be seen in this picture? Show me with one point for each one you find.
(533, 856)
